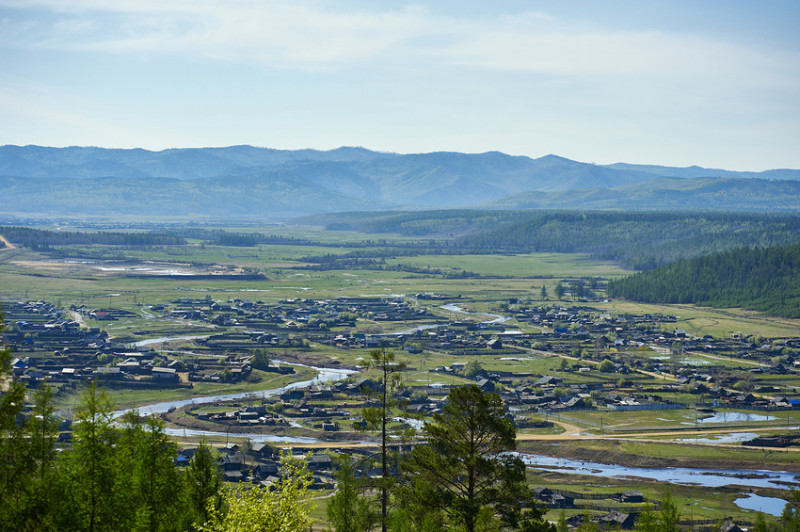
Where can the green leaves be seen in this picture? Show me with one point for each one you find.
(464, 472)
(760, 278)
(256, 509)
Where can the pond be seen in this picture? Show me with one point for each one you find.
(733, 437)
(768, 505)
(145, 270)
(733, 417)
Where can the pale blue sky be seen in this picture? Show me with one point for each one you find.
(712, 83)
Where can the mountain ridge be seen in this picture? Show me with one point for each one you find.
(247, 180)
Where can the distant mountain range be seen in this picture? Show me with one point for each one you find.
(244, 181)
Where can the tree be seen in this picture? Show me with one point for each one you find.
(93, 462)
(157, 481)
(562, 526)
(667, 520)
(760, 524)
(260, 359)
(464, 472)
(606, 366)
(474, 369)
(203, 483)
(348, 510)
(543, 292)
(42, 428)
(384, 361)
(647, 521)
(790, 518)
(284, 509)
(14, 446)
(560, 290)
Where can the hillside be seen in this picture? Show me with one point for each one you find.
(636, 240)
(278, 184)
(669, 193)
(762, 279)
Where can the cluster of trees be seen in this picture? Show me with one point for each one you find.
(224, 238)
(762, 279)
(363, 262)
(42, 239)
(114, 477)
(636, 240)
(420, 223)
(123, 476)
(465, 478)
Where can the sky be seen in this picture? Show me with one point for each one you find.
(674, 82)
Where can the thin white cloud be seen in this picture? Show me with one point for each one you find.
(318, 35)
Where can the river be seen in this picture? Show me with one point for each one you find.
(323, 375)
(164, 339)
(688, 476)
(673, 475)
(497, 318)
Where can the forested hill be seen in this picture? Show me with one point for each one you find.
(638, 241)
(765, 279)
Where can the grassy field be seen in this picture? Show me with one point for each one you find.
(534, 265)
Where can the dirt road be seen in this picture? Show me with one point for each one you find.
(8, 244)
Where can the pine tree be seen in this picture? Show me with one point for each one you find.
(390, 370)
(203, 484)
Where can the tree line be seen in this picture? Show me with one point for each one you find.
(764, 279)
(636, 240)
(43, 239)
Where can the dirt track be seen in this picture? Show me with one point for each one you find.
(8, 244)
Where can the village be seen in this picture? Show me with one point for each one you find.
(570, 359)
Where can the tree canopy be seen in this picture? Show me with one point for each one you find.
(466, 472)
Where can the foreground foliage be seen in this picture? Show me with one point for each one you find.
(465, 471)
(464, 478)
(257, 509)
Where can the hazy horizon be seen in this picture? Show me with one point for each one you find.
(672, 83)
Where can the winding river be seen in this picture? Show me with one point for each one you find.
(674, 475)
(323, 375)
(687, 476)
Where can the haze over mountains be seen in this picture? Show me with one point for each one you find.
(252, 182)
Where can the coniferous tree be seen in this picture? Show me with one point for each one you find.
(463, 472)
(390, 370)
(15, 455)
(349, 509)
(203, 484)
(157, 480)
(93, 462)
